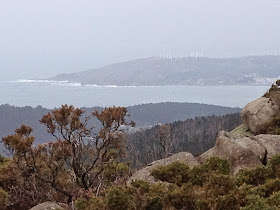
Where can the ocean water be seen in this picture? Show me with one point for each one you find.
(50, 94)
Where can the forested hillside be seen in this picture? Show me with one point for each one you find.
(187, 131)
(194, 135)
(12, 117)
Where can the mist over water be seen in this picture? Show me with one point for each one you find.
(51, 94)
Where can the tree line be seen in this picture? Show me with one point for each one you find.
(194, 135)
(144, 115)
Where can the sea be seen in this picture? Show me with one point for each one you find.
(52, 94)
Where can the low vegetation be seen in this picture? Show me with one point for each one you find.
(207, 186)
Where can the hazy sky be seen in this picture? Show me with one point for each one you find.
(40, 38)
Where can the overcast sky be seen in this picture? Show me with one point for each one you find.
(41, 38)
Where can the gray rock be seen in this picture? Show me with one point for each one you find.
(203, 157)
(241, 152)
(271, 143)
(47, 206)
(245, 151)
(258, 113)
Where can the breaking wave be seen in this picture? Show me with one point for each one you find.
(75, 84)
(38, 81)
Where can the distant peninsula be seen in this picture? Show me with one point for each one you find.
(162, 71)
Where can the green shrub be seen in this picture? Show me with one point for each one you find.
(213, 165)
(4, 198)
(143, 186)
(274, 164)
(226, 202)
(255, 176)
(181, 198)
(199, 175)
(114, 170)
(256, 202)
(119, 198)
(176, 172)
(219, 184)
(89, 204)
(2, 160)
(274, 199)
(160, 190)
(154, 204)
(217, 165)
(271, 186)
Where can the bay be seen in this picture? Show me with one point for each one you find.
(50, 94)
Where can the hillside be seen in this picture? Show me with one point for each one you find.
(145, 115)
(194, 135)
(252, 70)
(192, 127)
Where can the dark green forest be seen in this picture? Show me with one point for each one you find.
(194, 135)
(145, 115)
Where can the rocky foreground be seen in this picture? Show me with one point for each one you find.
(249, 145)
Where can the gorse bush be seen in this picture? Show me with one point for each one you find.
(213, 165)
(114, 170)
(154, 204)
(180, 173)
(181, 198)
(176, 172)
(274, 199)
(4, 199)
(256, 202)
(2, 160)
(254, 176)
(274, 164)
(217, 165)
(119, 198)
(93, 203)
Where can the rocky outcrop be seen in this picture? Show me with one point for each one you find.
(247, 146)
(241, 152)
(145, 173)
(258, 113)
(270, 142)
(47, 206)
(203, 157)
(240, 147)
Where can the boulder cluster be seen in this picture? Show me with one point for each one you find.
(251, 144)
